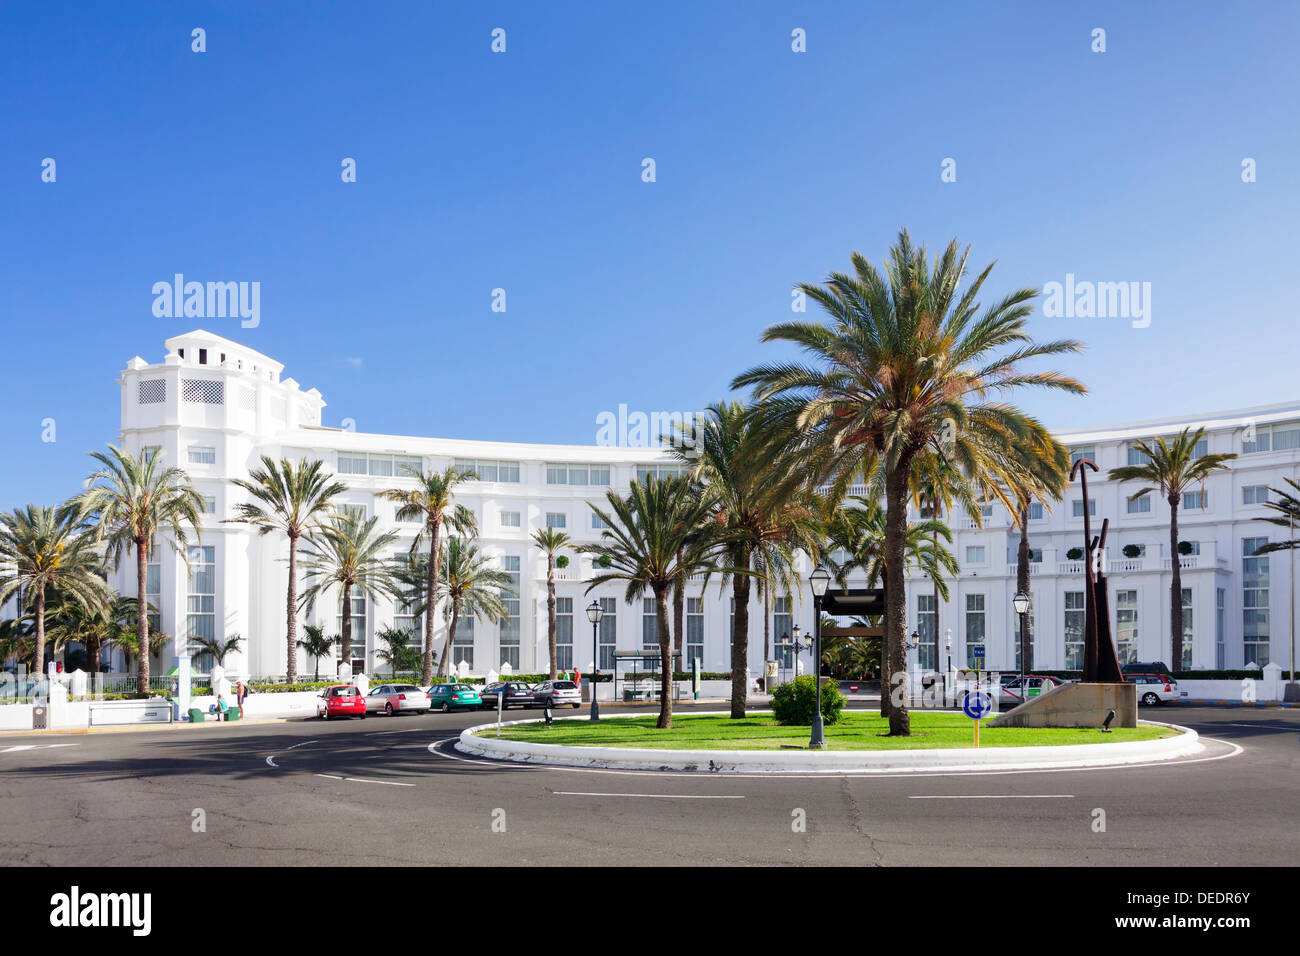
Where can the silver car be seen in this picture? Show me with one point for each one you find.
(394, 699)
(557, 693)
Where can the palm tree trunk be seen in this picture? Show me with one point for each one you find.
(345, 637)
(142, 615)
(767, 626)
(934, 539)
(1175, 588)
(740, 637)
(665, 661)
(895, 649)
(451, 634)
(38, 654)
(550, 609)
(291, 615)
(430, 599)
(679, 608)
(1022, 585)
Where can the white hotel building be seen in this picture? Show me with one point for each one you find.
(215, 407)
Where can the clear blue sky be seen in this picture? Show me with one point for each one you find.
(522, 170)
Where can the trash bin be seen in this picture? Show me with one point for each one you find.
(40, 717)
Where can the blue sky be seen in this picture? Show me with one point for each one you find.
(522, 171)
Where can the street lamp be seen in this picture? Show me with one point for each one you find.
(594, 613)
(1021, 603)
(913, 643)
(820, 580)
(947, 647)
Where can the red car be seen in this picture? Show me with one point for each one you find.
(342, 700)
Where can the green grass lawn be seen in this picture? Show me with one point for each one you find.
(857, 730)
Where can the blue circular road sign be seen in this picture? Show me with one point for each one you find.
(977, 705)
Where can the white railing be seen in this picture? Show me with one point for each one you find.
(1069, 567)
(1126, 566)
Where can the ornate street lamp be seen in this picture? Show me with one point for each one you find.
(820, 580)
(594, 613)
(1021, 603)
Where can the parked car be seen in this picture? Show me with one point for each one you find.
(1017, 691)
(1155, 689)
(557, 693)
(516, 693)
(449, 697)
(342, 700)
(1145, 667)
(394, 699)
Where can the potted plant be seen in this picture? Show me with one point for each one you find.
(1075, 554)
(1132, 550)
(562, 561)
(1185, 547)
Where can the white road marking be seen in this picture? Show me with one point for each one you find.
(995, 796)
(329, 776)
(304, 744)
(652, 796)
(270, 762)
(386, 783)
(9, 750)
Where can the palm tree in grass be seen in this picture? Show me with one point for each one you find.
(431, 502)
(551, 541)
(48, 549)
(660, 528)
(1171, 468)
(317, 645)
(294, 498)
(765, 506)
(133, 498)
(350, 554)
(908, 362)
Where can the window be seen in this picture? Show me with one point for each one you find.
(151, 391)
(1035, 511)
(781, 624)
(1186, 663)
(351, 464)
(209, 505)
(153, 588)
(975, 630)
(608, 633)
(598, 523)
(555, 519)
(975, 554)
(203, 391)
(564, 633)
(201, 618)
(1197, 500)
(510, 519)
(660, 472)
(925, 627)
(355, 606)
(462, 645)
(404, 617)
(1280, 437)
(1136, 456)
(1139, 506)
(1200, 448)
(1074, 620)
(1195, 546)
(1083, 451)
(1126, 626)
(510, 626)
(577, 474)
(490, 470)
(1077, 507)
(1254, 602)
(148, 450)
(1254, 495)
(649, 627)
(202, 455)
(695, 632)
(407, 466)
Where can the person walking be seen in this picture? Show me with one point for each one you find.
(241, 694)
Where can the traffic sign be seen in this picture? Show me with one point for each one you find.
(977, 705)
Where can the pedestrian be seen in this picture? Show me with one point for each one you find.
(241, 693)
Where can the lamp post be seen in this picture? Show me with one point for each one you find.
(913, 643)
(594, 613)
(947, 647)
(1021, 603)
(820, 580)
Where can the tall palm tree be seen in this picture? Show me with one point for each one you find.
(937, 486)
(474, 585)
(551, 541)
(293, 498)
(431, 502)
(349, 553)
(317, 645)
(661, 527)
(43, 549)
(1171, 468)
(906, 363)
(132, 498)
(764, 504)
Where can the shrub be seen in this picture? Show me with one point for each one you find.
(1185, 547)
(1074, 554)
(562, 561)
(1131, 550)
(795, 702)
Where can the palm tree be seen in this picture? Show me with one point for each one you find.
(907, 363)
(431, 502)
(43, 549)
(128, 642)
(936, 486)
(93, 626)
(349, 553)
(16, 639)
(1287, 506)
(551, 541)
(293, 498)
(475, 586)
(395, 649)
(139, 498)
(317, 645)
(661, 527)
(1172, 467)
(219, 648)
(763, 504)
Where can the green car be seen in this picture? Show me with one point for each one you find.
(447, 697)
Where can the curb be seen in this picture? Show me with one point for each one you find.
(127, 729)
(1229, 703)
(1068, 756)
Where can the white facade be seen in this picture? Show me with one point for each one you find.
(215, 407)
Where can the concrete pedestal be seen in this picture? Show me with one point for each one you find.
(1075, 705)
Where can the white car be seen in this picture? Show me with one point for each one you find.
(394, 699)
(1015, 691)
(1154, 688)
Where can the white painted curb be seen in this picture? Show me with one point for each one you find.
(478, 741)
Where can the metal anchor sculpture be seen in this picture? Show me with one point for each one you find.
(1100, 662)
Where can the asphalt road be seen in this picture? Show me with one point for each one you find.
(393, 791)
